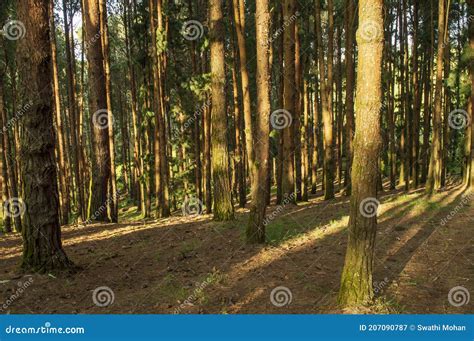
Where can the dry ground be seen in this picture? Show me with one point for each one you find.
(155, 266)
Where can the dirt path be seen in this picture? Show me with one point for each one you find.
(195, 265)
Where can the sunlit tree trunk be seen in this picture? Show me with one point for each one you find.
(256, 228)
(62, 174)
(356, 281)
(223, 208)
(72, 112)
(435, 167)
(326, 96)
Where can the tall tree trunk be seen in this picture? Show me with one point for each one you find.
(471, 99)
(223, 208)
(356, 281)
(256, 227)
(138, 186)
(161, 159)
(99, 116)
(415, 138)
(239, 20)
(350, 78)
(239, 157)
(435, 167)
(10, 165)
(298, 109)
(62, 174)
(42, 249)
(165, 167)
(427, 103)
(71, 92)
(104, 27)
(3, 159)
(326, 97)
(288, 171)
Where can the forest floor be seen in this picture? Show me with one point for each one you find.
(197, 265)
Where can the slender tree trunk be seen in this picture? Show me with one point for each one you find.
(415, 138)
(62, 174)
(99, 118)
(3, 158)
(435, 167)
(471, 99)
(298, 109)
(256, 226)
(239, 20)
(113, 195)
(42, 249)
(288, 150)
(138, 186)
(71, 91)
(10, 165)
(223, 208)
(326, 97)
(240, 170)
(427, 104)
(356, 282)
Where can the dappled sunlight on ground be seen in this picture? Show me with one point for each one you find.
(195, 265)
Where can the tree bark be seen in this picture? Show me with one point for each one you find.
(356, 282)
(99, 116)
(113, 195)
(435, 167)
(42, 249)
(288, 147)
(223, 207)
(256, 226)
(326, 96)
(62, 174)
